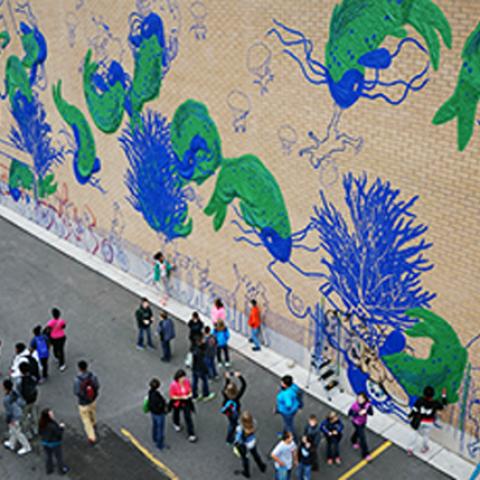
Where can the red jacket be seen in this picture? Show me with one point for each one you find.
(254, 320)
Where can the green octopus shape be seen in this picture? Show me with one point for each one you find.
(358, 27)
(31, 49)
(196, 142)
(261, 202)
(147, 77)
(4, 39)
(444, 366)
(20, 176)
(106, 108)
(85, 161)
(463, 103)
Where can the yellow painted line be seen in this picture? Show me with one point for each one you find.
(149, 455)
(363, 463)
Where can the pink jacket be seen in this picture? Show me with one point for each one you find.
(217, 314)
(182, 390)
(58, 328)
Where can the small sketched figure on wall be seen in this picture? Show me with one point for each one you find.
(287, 136)
(79, 4)
(240, 106)
(259, 59)
(71, 22)
(324, 151)
(199, 12)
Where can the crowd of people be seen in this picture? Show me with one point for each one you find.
(208, 354)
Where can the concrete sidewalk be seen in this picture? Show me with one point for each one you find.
(101, 328)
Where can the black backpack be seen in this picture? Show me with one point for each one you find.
(33, 367)
(28, 389)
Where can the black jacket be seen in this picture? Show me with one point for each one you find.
(195, 330)
(156, 403)
(199, 365)
(52, 434)
(142, 315)
(426, 408)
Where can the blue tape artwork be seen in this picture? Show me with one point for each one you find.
(240, 105)
(259, 61)
(199, 12)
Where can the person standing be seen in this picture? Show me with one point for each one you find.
(56, 327)
(13, 405)
(195, 329)
(21, 356)
(222, 334)
(158, 409)
(359, 412)
(285, 456)
(332, 428)
(86, 389)
(211, 353)
(26, 387)
(161, 274)
(423, 416)
(40, 344)
(181, 402)
(254, 322)
(51, 434)
(231, 402)
(218, 312)
(313, 430)
(245, 443)
(305, 458)
(144, 317)
(166, 332)
(200, 371)
(289, 402)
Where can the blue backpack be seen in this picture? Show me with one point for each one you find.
(41, 345)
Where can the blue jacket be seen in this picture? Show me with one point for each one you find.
(222, 337)
(326, 427)
(289, 400)
(166, 329)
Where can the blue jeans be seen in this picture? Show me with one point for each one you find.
(212, 370)
(167, 352)
(359, 437)
(158, 430)
(476, 473)
(255, 337)
(196, 376)
(281, 473)
(304, 472)
(141, 334)
(288, 423)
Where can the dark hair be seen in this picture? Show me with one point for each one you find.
(24, 368)
(82, 365)
(428, 392)
(286, 434)
(55, 313)
(20, 347)
(179, 374)
(44, 420)
(313, 417)
(37, 330)
(8, 384)
(218, 303)
(253, 302)
(207, 330)
(364, 395)
(163, 314)
(196, 315)
(154, 383)
(287, 380)
(158, 256)
(144, 299)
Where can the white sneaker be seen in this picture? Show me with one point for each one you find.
(63, 368)
(8, 445)
(192, 438)
(228, 364)
(24, 450)
(177, 428)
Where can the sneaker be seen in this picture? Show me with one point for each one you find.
(330, 461)
(8, 445)
(197, 399)
(209, 397)
(410, 452)
(356, 446)
(63, 368)
(92, 442)
(255, 349)
(424, 450)
(192, 438)
(177, 428)
(24, 451)
(338, 461)
(64, 470)
(368, 458)
(228, 364)
(236, 452)
(139, 347)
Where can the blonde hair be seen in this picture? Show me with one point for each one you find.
(332, 415)
(221, 325)
(247, 422)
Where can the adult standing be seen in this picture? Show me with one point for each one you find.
(13, 405)
(285, 456)
(158, 409)
(254, 322)
(56, 327)
(289, 402)
(166, 332)
(200, 371)
(21, 356)
(359, 412)
(51, 434)
(231, 406)
(181, 402)
(86, 388)
(195, 329)
(26, 386)
(144, 317)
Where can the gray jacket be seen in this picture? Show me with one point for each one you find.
(77, 390)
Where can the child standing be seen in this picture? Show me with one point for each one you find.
(359, 412)
(231, 402)
(222, 335)
(211, 353)
(332, 428)
(312, 430)
(161, 274)
(289, 402)
(39, 344)
(58, 338)
(218, 312)
(305, 449)
(284, 456)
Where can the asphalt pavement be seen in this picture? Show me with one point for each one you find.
(34, 277)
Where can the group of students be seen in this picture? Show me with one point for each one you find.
(29, 370)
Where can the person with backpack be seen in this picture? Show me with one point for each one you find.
(13, 404)
(359, 412)
(51, 434)
(181, 402)
(56, 328)
(218, 312)
(305, 458)
(144, 317)
(245, 443)
(26, 387)
(423, 416)
(254, 322)
(161, 274)
(222, 334)
(231, 402)
(285, 456)
(21, 356)
(211, 353)
(166, 332)
(332, 428)
(86, 389)
(289, 402)
(40, 345)
(200, 371)
(157, 406)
